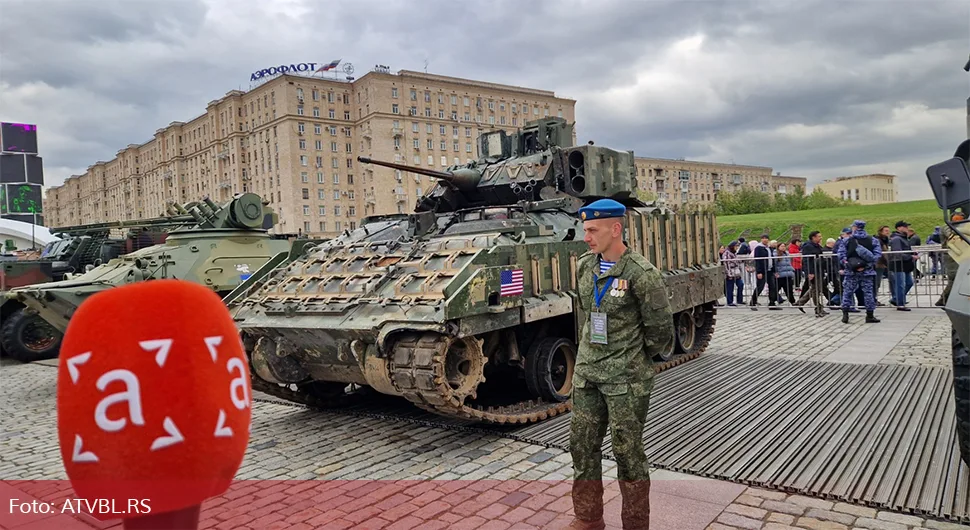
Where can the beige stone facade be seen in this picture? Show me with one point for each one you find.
(295, 141)
(680, 181)
(876, 188)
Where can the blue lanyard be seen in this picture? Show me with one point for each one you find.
(597, 294)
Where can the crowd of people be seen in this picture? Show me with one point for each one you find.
(832, 274)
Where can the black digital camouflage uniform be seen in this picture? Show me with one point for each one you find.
(612, 382)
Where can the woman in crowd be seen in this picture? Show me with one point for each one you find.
(785, 273)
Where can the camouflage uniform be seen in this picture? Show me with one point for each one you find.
(612, 382)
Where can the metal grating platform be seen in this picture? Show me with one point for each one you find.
(880, 435)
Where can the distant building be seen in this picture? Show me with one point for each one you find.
(680, 181)
(875, 188)
(295, 139)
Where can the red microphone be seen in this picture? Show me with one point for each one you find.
(153, 402)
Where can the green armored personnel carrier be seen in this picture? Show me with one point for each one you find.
(950, 181)
(465, 307)
(216, 246)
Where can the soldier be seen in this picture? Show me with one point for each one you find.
(950, 266)
(626, 320)
(858, 255)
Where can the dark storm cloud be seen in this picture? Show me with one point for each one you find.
(814, 87)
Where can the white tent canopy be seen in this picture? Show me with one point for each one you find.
(21, 233)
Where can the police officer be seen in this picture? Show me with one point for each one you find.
(626, 320)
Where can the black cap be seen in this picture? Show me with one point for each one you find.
(901, 223)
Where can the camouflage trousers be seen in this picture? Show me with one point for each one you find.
(851, 282)
(623, 408)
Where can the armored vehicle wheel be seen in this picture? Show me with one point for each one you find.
(961, 393)
(549, 368)
(26, 337)
(693, 329)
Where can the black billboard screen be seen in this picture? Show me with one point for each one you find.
(18, 137)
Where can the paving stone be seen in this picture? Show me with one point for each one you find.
(783, 507)
(747, 511)
(877, 524)
(826, 515)
(909, 520)
(817, 524)
(811, 502)
(540, 457)
(856, 510)
(780, 518)
(739, 521)
(779, 526)
(749, 500)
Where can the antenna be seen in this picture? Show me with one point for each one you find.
(425, 66)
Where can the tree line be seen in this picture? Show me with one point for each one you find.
(748, 201)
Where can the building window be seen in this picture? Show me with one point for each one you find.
(394, 109)
(320, 194)
(316, 112)
(394, 92)
(299, 110)
(316, 128)
(304, 177)
(306, 211)
(336, 195)
(323, 212)
(306, 193)
(303, 160)
(302, 144)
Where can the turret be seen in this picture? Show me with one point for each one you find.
(531, 164)
(245, 211)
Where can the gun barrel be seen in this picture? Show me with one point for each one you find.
(444, 175)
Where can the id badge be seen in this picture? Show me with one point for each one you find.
(597, 331)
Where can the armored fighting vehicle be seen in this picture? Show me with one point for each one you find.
(465, 306)
(950, 181)
(217, 246)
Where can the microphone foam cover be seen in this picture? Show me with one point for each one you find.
(153, 396)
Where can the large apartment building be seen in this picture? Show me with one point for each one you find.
(295, 141)
(680, 181)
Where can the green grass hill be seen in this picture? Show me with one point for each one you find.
(922, 215)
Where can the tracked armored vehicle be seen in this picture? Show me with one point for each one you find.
(950, 181)
(465, 307)
(216, 246)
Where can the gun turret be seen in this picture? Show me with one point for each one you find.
(464, 179)
(535, 163)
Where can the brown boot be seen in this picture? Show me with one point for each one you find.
(635, 513)
(579, 524)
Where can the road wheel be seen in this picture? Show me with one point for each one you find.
(26, 337)
(549, 369)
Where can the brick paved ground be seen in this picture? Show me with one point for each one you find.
(919, 337)
(422, 476)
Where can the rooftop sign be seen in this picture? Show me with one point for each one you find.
(292, 69)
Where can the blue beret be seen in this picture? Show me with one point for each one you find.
(846, 230)
(602, 209)
(860, 223)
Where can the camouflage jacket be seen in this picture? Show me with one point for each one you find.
(639, 323)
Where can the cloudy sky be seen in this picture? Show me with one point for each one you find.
(810, 88)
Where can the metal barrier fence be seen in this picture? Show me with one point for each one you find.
(786, 278)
